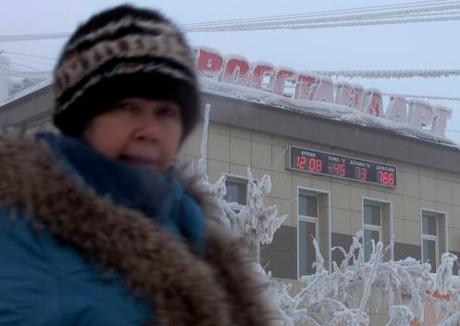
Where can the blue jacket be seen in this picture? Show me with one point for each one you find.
(44, 281)
(87, 241)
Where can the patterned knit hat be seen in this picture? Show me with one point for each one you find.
(119, 53)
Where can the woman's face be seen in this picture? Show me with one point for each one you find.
(138, 131)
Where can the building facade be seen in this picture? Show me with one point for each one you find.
(418, 211)
(416, 208)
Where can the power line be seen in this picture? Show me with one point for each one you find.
(33, 37)
(368, 9)
(429, 97)
(351, 23)
(415, 12)
(357, 16)
(408, 14)
(14, 62)
(388, 74)
(32, 62)
(352, 73)
(28, 55)
(16, 73)
(346, 23)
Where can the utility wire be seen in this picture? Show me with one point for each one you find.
(287, 22)
(388, 74)
(345, 23)
(31, 61)
(291, 26)
(429, 97)
(368, 9)
(16, 73)
(363, 74)
(401, 13)
(284, 25)
(28, 55)
(416, 12)
(33, 37)
(23, 65)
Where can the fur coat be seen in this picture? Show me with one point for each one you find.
(218, 287)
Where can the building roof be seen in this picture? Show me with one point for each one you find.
(317, 109)
(321, 109)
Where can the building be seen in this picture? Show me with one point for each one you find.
(416, 205)
(331, 178)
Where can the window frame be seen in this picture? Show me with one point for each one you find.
(372, 227)
(315, 192)
(238, 179)
(379, 202)
(436, 238)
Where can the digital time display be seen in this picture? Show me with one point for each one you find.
(312, 161)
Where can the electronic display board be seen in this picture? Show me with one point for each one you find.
(312, 161)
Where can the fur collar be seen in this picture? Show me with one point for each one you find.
(218, 289)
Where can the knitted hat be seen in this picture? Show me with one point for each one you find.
(119, 53)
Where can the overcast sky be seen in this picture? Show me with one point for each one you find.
(404, 46)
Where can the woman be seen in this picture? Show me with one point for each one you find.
(95, 228)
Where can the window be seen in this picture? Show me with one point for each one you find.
(372, 228)
(236, 190)
(237, 197)
(377, 225)
(313, 223)
(434, 241)
(308, 229)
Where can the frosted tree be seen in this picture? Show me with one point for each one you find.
(255, 222)
(341, 297)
